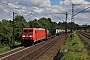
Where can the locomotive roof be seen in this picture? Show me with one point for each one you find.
(35, 28)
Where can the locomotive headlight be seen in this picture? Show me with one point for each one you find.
(30, 36)
(23, 36)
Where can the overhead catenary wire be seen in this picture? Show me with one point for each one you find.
(12, 7)
(81, 4)
(17, 8)
(81, 11)
(56, 17)
(85, 10)
(20, 8)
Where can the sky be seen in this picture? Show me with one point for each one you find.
(54, 2)
(54, 9)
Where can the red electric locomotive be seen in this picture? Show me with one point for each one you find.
(31, 35)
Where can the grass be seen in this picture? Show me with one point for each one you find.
(88, 30)
(17, 43)
(72, 56)
(73, 49)
(4, 48)
(73, 44)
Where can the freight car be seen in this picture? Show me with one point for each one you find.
(56, 32)
(53, 32)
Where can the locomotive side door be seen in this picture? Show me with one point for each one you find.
(35, 35)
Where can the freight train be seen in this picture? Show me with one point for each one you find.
(32, 35)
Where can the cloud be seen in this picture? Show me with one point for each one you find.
(68, 2)
(40, 3)
(42, 8)
(79, 5)
(38, 10)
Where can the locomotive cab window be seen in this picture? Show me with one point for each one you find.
(25, 31)
(28, 31)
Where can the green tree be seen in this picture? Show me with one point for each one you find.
(30, 23)
(20, 23)
(6, 33)
(53, 25)
(44, 23)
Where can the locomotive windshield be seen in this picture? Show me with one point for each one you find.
(28, 31)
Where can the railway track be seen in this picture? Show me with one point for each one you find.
(34, 51)
(85, 37)
(38, 52)
(10, 53)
